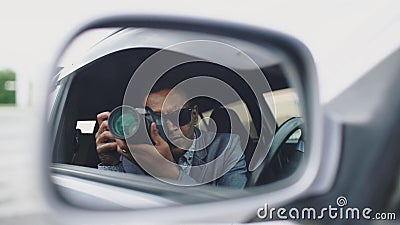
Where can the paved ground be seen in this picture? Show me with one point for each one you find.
(20, 161)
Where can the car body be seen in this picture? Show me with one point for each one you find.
(351, 114)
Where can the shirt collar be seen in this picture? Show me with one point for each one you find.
(188, 156)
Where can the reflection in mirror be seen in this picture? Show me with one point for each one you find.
(200, 112)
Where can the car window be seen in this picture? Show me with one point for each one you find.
(284, 104)
(240, 108)
(53, 96)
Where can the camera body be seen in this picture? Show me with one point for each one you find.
(133, 124)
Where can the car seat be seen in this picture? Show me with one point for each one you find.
(227, 121)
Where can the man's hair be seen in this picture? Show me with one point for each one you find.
(166, 83)
(163, 83)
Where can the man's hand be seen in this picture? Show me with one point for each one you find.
(156, 159)
(106, 146)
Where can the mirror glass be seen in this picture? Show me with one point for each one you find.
(151, 117)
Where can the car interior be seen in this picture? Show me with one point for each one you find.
(100, 86)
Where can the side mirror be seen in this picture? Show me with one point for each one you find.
(238, 104)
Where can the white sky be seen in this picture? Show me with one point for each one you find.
(337, 32)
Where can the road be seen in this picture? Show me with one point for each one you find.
(21, 188)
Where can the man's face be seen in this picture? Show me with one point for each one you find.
(178, 134)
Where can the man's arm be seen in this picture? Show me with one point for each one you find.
(155, 159)
(236, 177)
(117, 168)
(106, 146)
(110, 154)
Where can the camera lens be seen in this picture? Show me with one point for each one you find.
(123, 122)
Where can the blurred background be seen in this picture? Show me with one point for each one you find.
(32, 33)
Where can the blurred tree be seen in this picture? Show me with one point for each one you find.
(7, 87)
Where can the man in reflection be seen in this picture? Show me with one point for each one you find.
(220, 163)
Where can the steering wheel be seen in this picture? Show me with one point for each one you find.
(282, 134)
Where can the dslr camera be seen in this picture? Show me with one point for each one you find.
(126, 122)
